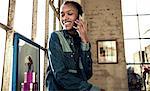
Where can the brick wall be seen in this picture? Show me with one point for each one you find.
(105, 23)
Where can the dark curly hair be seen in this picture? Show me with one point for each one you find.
(76, 5)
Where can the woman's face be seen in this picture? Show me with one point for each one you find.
(68, 16)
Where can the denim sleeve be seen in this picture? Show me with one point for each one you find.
(86, 60)
(95, 88)
(85, 46)
(62, 76)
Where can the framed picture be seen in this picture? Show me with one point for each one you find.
(26, 64)
(106, 51)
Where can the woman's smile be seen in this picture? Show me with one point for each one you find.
(68, 24)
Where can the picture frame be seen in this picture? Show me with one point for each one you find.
(26, 64)
(106, 51)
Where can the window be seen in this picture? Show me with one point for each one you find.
(25, 20)
(4, 11)
(3, 20)
(136, 27)
(23, 17)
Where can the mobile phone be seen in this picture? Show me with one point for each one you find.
(75, 25)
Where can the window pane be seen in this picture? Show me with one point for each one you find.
(23, 17)
(132, 50)
(143, 6)
(145, 45)
(136, 67)
(56, 3)
(144, 25)
(130, 27)
(57, 24)
(40, 35)
(4, 11)
(28, 63)
(142, 72)
(129, 7)
(2, 50)
(51, 20)
(41, 69)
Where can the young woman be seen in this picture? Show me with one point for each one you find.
(70, 63)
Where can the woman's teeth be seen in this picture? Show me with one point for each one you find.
(67, 22)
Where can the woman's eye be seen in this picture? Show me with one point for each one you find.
(70, 13)
(62, 15)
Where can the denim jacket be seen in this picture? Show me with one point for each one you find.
(68, 69)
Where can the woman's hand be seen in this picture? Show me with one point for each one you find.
(82, 30)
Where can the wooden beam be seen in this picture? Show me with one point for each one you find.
(34, 20)
(46, 42)
(11, 13)
(5, 27)
(8, 48)
(54, 9)
(59, 4)
(46, 23)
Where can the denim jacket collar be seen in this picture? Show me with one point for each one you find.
(67, 35)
